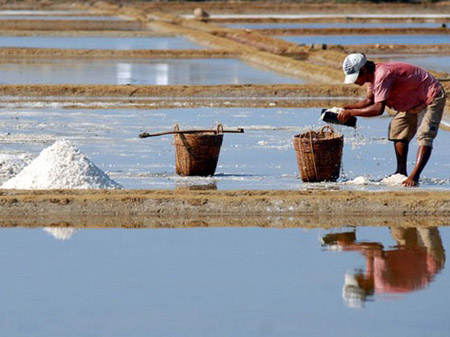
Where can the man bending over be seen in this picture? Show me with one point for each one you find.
(417, 97)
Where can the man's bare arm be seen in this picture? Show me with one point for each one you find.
(368, 111)
(362, 104)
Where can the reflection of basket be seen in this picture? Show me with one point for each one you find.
(196, 154)
(319, 154)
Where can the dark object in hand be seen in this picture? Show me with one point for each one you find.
(331, 117)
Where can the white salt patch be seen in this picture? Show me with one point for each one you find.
(361, 180)
(61, 166)
(11, 164)
(394, 180)
(60, 233)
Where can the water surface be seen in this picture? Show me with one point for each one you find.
(368, 39)
(430, 62)
(60, 17)
(222, 282)
(261, 158)
(97, 42)
(152, 71)
(276, 25)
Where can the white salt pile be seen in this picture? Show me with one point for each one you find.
(61, 166)
(11, 164)
(394, 180)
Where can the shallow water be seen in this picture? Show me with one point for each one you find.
(403, 16)
(97, 42)
(60, 17)
(14, 13)
(368, 39)
(219, 281)
(276, 25)
(436, 63)
(156, 72)
(261, 158)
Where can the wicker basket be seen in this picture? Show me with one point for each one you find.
(319, 154)
(196, 154)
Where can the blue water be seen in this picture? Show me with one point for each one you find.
(368, 39)
(211, 282)
(96, 42)
(60, 17)
(151, 71)
(439, 63)
(333, 25)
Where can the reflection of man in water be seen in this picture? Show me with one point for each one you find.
(418, 256)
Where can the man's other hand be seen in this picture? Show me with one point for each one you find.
(344, 116)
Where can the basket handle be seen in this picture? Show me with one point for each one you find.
(176, 127)
(219, 128)
(322, 129)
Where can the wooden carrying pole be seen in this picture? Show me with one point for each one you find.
(145, 134)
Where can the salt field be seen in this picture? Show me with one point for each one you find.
(100, 237)
(97, 42)
(221, 281)
(430, 62)
(278, 25)
(57, 17)
(261, 158)
(368, 39)
(154, 72)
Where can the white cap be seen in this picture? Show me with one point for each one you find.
(352, 65)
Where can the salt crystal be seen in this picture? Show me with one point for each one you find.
(61, 166)
(361, 180)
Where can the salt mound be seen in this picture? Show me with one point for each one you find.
(61, 166)
(394, 180)
(11, 164)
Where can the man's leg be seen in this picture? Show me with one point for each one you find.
(401, 152)
(423, 154)
(428, 127)
(402, 129)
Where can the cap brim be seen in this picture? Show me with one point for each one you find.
(351, 78)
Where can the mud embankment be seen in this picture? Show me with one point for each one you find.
(192, 204)
(212, 91)
(70, 25)
(19, 54)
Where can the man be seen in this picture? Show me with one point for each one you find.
(417, 97)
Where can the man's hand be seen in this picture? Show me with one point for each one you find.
(409, 182)
(344, 116)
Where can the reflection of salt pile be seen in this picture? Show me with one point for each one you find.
(61, 166)
(395, 179)
(60, 233)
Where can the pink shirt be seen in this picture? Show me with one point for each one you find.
(403, 86)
